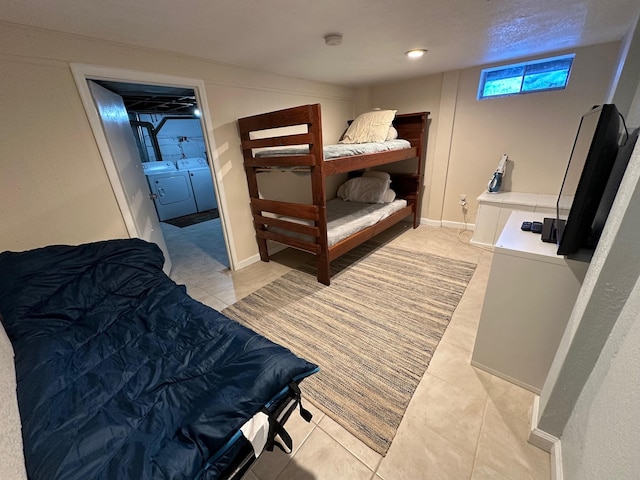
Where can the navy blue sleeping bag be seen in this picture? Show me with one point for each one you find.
(121, 375)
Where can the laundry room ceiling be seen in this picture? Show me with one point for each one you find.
(286, 36)
(153, 98)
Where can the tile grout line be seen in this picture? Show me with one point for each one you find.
(293, 454)
(482, 425)
(350, 452)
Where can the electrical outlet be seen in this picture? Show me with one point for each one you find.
(463, 199)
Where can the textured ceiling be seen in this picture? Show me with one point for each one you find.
(286, 36)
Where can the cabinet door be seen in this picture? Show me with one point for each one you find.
(527, 306)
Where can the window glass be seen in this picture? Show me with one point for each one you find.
(539, 75)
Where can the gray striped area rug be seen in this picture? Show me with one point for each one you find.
(372, 332)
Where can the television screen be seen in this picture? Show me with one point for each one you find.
(610, 191)
(590, 164)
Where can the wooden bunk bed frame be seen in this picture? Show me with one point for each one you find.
(411, 127)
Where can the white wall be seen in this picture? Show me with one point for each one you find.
(53, 185)
(624, 86)
(601, 439)
(468, 137)
(628, 92)
(178, 138)
(409, 96)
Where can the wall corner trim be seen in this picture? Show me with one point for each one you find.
(546, 442)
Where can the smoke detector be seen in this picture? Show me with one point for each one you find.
(333, 39)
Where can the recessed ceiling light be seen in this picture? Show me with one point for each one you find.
(415, 53)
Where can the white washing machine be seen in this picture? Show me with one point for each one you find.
(201, 182)
(172, 189)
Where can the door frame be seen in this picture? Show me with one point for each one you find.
(83, 72)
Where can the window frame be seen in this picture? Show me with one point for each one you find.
(486, 71)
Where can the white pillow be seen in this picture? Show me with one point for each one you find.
(389, 196)
(11, 448)
(364, 190)
(369, 127)
(392, 135)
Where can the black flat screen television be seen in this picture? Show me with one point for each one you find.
(610, 191)
(586, 178)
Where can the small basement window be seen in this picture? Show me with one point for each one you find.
(535, 76)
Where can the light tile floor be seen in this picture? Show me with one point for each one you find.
(462, 423)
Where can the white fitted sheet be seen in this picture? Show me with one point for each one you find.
(340, 149)
(346, 218)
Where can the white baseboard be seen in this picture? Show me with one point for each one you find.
(430, 223)
(458, 225)
(556, 462)
(481, 244)
(508, 378)
(273, 249)
(447, 224)
(546, 442)
(248, 261)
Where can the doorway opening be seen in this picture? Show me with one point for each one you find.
(166, 130)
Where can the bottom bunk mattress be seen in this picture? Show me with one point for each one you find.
(122, 375)
(347, 218)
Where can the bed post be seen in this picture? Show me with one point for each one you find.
(318, 192)
(413, 127)
(252, 183)
(422, 157)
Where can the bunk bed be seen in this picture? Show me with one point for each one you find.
(309, 227)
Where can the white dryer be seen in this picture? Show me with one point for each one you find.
(201, 182)
(172, 191)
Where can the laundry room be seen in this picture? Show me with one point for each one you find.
(174, 145)
(168, 133)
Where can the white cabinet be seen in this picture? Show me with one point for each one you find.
(530, 295)
(494, 210)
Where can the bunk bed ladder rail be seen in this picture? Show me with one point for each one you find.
(308, 115)
(268, 228)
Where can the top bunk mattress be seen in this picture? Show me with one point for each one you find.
(339, 150)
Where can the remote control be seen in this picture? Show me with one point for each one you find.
(536, 227)
(526, 226)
